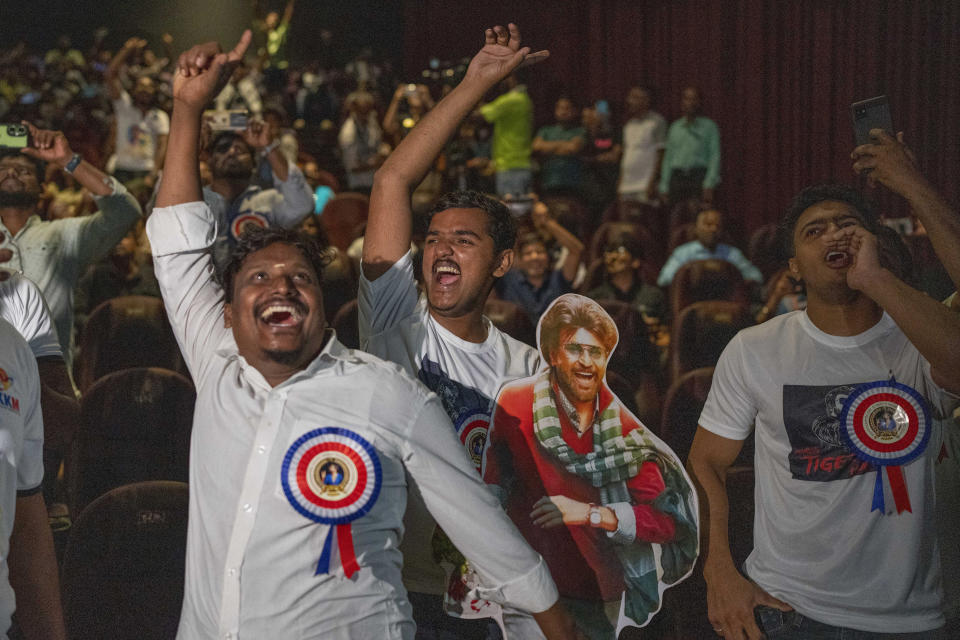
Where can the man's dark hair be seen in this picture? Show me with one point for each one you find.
(646, 88)
(254, 239)
(571, 312)
(626, 240)
(531, 237)
(38, 164)
(500, 223)
(824, 193)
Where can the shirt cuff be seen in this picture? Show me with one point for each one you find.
(626, 531)
(116, 189)
(182, 227)
(533, 592)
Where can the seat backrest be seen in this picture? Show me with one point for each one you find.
(134, 426)
(510, 318)
(340, 283)
(346, 324)
(765, 250)
(343, 218)
(706, 280)
(597, 270)
(681, 409)
(702, 331)
(655, 219)
(124, 564)
(125, 332)
(571, 213)
(635, 356)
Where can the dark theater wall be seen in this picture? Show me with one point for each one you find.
(778, 77)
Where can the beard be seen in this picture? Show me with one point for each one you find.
(18, 199)
(287, 358)
(233, 171)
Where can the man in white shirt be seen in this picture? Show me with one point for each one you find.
(22, 305)
(141, 128)
(28, 567)
(302, 449)
(816, 384)
(644, 138)
(55, 253)
(443, 338)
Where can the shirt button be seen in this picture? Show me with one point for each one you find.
(261, 449)
(248, 507)
(232, 572)
(227, 636)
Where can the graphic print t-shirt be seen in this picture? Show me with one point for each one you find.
(396, 325)
(817, 545)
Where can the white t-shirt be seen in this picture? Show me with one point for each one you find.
(137, 134)
(21, 445)
(396, 325)
(817, 544)
(23, 306)
(642, 139)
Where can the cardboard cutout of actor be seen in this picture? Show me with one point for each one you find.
(604, 501)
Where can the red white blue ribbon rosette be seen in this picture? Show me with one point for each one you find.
(332, 476)
(888, 424)
(472, 431)
(242, 221)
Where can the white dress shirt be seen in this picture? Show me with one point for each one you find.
(251, 556)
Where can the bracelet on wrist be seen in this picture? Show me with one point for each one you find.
(73, 163)
(267, 150)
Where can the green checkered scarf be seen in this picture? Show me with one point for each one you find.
(615, 457)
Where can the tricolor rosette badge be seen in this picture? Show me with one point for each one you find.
(245, 220)
(472, 431)
(888, 424)
(332, 476)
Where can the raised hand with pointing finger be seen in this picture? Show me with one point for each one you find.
(203, 70)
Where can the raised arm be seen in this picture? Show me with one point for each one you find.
(571, 262)
(390, 220)
(201, 73)
(890, 163)
(112, 74)
(731, 597)
(932, 327)
(52, 147)
(96, 234)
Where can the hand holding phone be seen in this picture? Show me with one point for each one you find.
(14, 136)
(870, 114)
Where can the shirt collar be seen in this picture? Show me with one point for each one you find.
(32, 220)
(332, 354)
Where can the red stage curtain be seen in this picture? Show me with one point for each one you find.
(778, 77)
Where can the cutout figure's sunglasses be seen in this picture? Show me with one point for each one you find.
(576, 350)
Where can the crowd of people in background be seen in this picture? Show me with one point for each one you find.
(612, 201)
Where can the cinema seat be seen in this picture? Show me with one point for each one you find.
(343, 218)
(706, 280)
(123, 567)
(702, 331)
(134, 426)
(125, 332)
